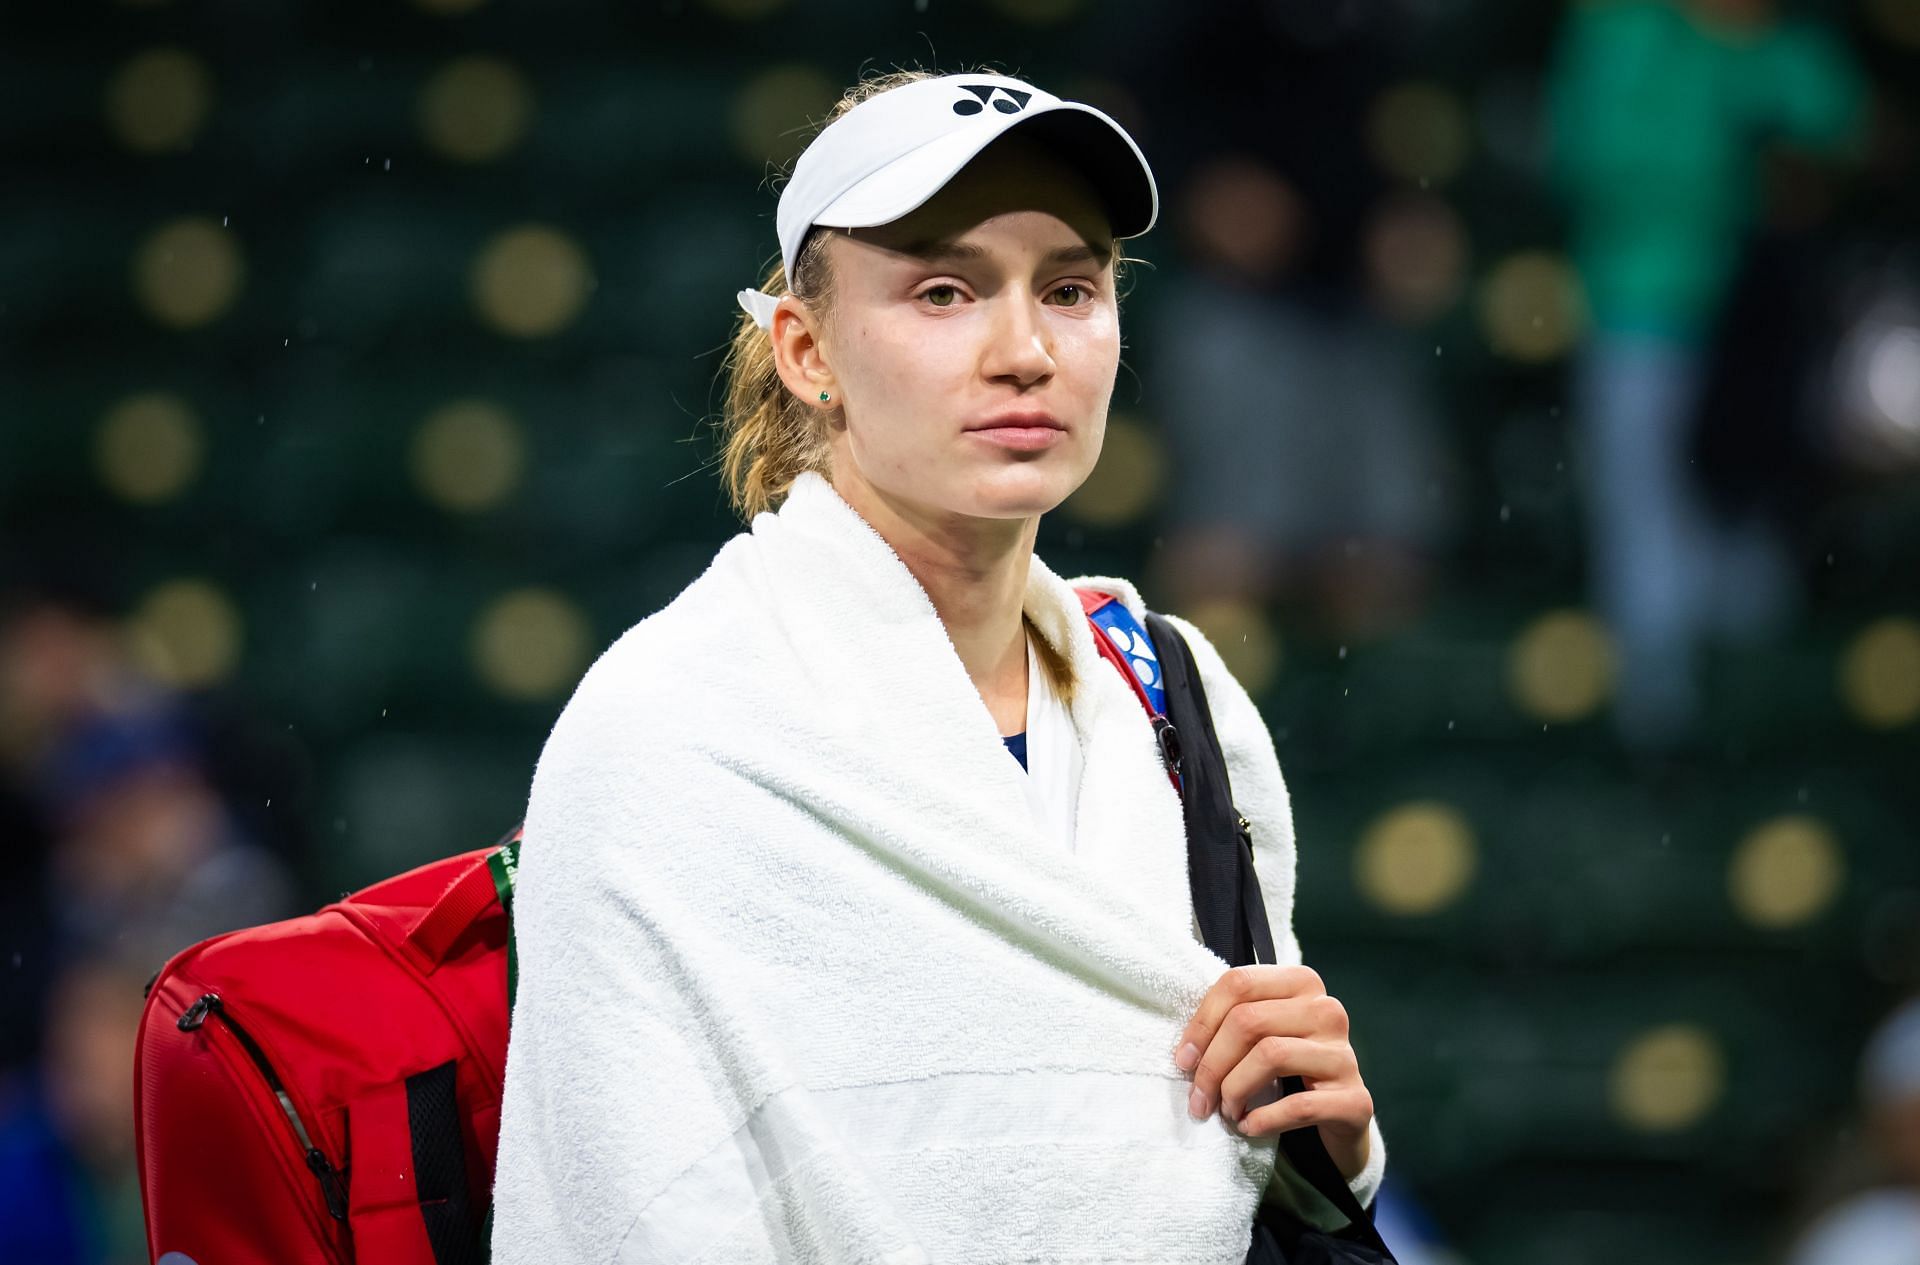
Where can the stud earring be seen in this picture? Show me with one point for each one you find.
(823, 397)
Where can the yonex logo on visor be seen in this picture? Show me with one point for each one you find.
(1010, 102)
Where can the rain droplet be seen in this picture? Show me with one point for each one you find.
(1449, 724)
(1803, 795)
(1343, 652)
(1506, 512)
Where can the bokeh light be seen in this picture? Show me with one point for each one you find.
(1419, 132)
(148, 447)
(1786, 872)
(1245, 637)
(765, 118)
(474, 109)
(1415, 859)
(531, 281)
(1531, 307)
(467, 456)
(1667, 1078)
(530, 644)
(158, 100)
(185, 633)
(1126, 481)
(1880, 673)
(187, 272)
(1561, 666)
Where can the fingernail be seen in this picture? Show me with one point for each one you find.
(1197, 1104)
(1188, 1056)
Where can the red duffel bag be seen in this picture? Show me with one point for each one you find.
(326, 1090)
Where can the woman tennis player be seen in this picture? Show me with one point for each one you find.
(853, 918)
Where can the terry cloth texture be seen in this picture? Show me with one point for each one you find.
(802, 977)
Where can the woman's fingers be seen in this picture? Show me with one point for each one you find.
(1323, 1064)
(1316, 1016)
(1342, 1115)
(1236, 986)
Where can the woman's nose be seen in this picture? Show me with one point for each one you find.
(1019, 345)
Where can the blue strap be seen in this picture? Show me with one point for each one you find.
(1131, 640)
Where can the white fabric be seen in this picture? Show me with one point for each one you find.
(1054, 759)
(801, 977)
(898, 148)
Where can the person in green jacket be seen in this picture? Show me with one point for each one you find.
(1661, 113)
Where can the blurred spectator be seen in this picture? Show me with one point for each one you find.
(1661, 112)
(69, 1188)
(142, 856)
(1305, 465)
(148, 859)
(1882, 1226)
(58, 662)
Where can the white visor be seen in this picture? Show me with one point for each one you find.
(893, 151)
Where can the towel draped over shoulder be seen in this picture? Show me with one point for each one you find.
(802, 978)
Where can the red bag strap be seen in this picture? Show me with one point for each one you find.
(465, 899)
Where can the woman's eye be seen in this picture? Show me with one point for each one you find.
(940, 296)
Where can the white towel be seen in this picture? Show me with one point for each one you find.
(1053, 757)
(801, 976)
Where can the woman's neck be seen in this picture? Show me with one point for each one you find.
(975, 573)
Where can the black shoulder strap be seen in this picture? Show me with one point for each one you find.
(1215, 869)
(1226, 892)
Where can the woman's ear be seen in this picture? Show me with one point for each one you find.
(800, 356)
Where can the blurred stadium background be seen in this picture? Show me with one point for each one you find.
(356, 369)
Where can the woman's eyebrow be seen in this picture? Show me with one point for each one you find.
(946, 251)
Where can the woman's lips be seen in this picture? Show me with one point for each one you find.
(1021, 438)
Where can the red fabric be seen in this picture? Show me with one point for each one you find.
(343, 1012)
(383, 1207)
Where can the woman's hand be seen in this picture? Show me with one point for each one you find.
(1259, 1023)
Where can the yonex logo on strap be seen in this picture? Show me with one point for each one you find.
(1005, 100)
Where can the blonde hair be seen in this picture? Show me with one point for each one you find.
(768, 435)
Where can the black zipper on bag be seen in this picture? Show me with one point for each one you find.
(332, 1186)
